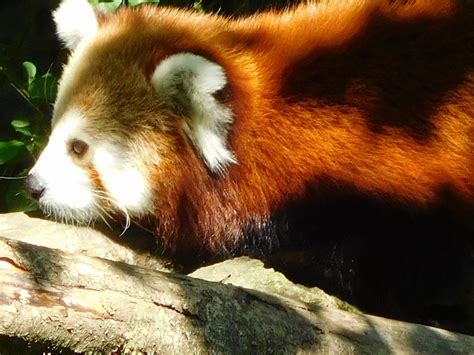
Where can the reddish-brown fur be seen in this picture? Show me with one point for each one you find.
(375, 95)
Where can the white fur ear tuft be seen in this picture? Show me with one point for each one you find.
(190, 81)
(75, 20)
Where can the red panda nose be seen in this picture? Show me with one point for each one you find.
(34, 187)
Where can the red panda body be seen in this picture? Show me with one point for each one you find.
(343, 128)
(371, 96)
(364, 95)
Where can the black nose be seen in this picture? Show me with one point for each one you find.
(34, 186)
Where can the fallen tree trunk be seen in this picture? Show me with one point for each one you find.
(136, 248)
(82, 304)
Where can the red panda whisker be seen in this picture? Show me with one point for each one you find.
(12, 177)
(107, 197)
(104, 211)
(101, 215)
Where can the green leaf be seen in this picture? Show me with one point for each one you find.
(9, 150)
(16, 199)
(24, 131)
(43, 88)
(23, 127)
(198, 6)
(30, 69)
(20, 123)
(106, 6)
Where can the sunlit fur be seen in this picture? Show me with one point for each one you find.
(60, 173)
(76, 21)
(187, 77)
(372, 95)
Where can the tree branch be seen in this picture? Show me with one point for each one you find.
(82, 304)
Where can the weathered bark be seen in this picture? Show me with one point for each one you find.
(90, 304)
(137, 247)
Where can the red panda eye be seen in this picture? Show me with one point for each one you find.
(78, 148)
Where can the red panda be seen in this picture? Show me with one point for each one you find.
(209, 129)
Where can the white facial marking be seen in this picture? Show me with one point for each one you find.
(195, 79)
(122, 179)
(68, 190)
(75, 21)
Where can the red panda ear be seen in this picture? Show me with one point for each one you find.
(75, 20)
(189, 82)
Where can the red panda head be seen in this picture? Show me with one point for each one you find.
(119, 126)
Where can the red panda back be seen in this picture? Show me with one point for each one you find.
(374, 95)
(300, 106)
